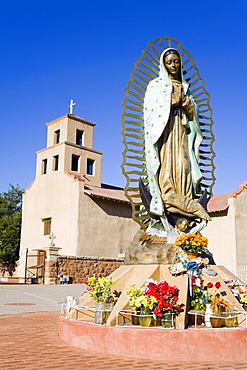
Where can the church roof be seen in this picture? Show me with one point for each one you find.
(106, 192)
(71, 116)
(220, 202)
(217, 203)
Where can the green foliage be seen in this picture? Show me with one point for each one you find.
(10, 224)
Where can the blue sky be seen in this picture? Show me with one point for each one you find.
(57, 50)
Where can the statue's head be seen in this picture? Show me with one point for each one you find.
(182, 224)
(172, 63)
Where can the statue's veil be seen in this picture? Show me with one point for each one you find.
(133, 167)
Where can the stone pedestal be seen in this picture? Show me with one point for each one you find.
(51, 258)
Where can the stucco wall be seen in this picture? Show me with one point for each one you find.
(241, 229)
(55, 197)
(222, 236)
(105, 227)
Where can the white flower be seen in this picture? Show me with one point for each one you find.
(198, 282)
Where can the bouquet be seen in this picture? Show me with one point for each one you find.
(99, 289)
(166, 297)
(191, 243)
(197, 297)
(139, 299)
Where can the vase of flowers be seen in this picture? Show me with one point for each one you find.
(100, 291)
(167, 306)
(192, 244)
(143, 305)
(197, 299)
(218, 306)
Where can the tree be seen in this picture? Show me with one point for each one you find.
(10, 226)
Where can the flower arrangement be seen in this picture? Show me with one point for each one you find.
(238, 289)
(197, 296)
(166, 297)
(139, 299)
(218, 303)
(99, 289)
(191, 243)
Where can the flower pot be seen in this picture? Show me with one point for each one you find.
(191, 256)
(100, 313)
(145, 320)
(145, 317)
(135, 319)
(167, 320)
(230, 322)
(216, 322)
(197, 319)
(155, 320)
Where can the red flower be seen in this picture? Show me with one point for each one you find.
(217, 285)
(193, 279)
(157, 312)
(202, 281)
(210, 285)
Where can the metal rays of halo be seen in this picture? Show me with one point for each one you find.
(134, 162)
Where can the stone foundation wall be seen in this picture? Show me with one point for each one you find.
(80, 267)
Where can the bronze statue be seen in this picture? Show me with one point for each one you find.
(167, 133)
(172, 140)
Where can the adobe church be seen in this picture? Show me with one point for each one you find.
(90, 219)
(67, 199)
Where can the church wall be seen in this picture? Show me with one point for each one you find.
(48, 154)
(94, 179)
(52, 197)
(222, 237)
(105, 227)
(241, 233)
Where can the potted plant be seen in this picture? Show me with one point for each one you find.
(143, 305)
(167, 301)
(219, 306)
(192, 244)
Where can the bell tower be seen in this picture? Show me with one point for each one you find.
(70, 150)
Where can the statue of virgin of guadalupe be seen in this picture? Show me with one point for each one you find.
(172, 140)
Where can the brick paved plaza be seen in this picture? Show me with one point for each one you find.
(30, 341)
(29, 336)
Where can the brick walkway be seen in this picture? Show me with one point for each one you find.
(30, 341)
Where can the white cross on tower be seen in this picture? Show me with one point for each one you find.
(52, 237)
(71, 106)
